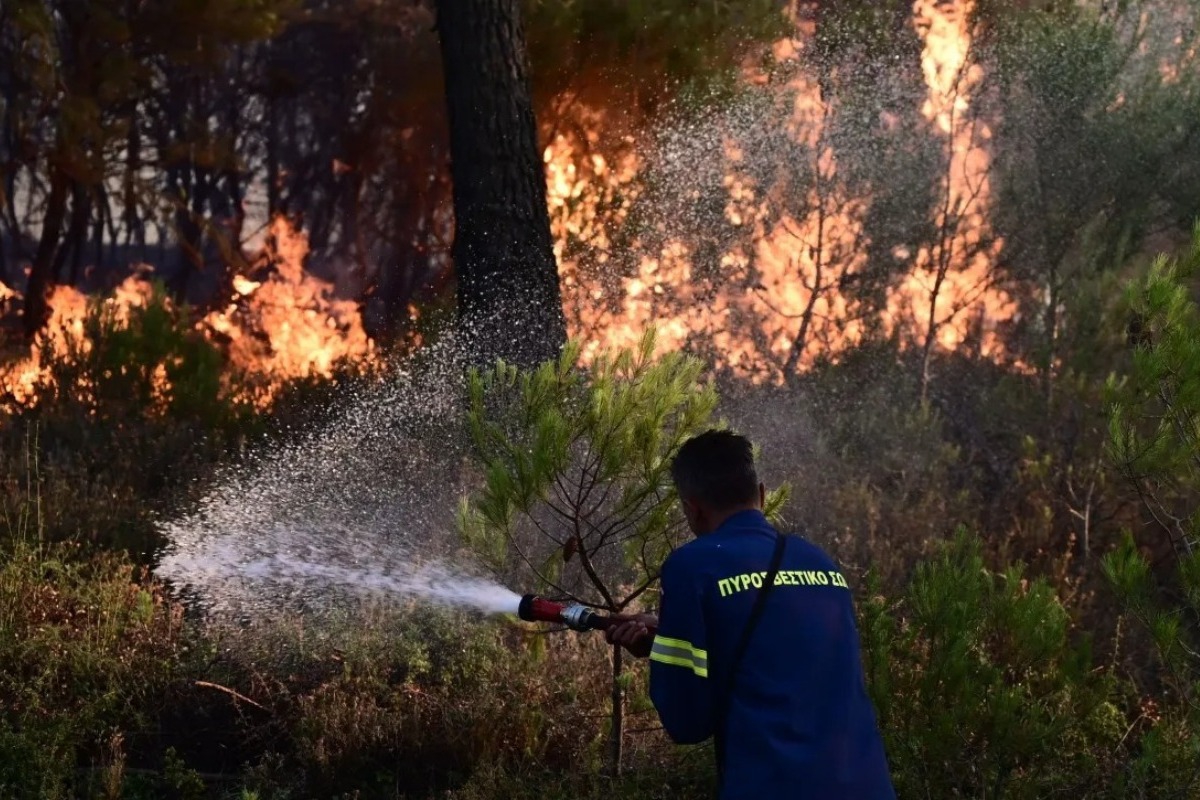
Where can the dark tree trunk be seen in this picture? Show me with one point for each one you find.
(233, 174)
(41, 275)
(272, 148)
(191, 236)
(135, 231)
(4, 279)
(101, 218)
(237, 210)
(10, 229)
(508, 294)
(76, 239)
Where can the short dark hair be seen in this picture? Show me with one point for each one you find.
(716, 467)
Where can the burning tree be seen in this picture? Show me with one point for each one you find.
(578, 496)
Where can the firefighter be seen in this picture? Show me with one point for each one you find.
(756, 644)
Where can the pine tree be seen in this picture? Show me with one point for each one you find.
(578, 501)
(1155, 443)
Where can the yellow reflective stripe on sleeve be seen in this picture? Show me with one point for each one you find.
(686, 663)
(679, 653)
(669, 642)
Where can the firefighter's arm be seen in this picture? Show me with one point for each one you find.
(679, 684)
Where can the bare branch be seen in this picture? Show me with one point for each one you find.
(231, 692)
(536, 571)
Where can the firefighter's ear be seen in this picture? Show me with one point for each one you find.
(689, 507)
(692, 513)
(762, 495)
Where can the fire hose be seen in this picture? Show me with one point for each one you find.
(575, 616)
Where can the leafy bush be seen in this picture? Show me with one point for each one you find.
(1156, 406)
(577, 496)
(981, 691)
(85, 653)
(1167, 763)
(143, 361)
(129, 409)
(879, 477)
(1083, 85)
(417, 699)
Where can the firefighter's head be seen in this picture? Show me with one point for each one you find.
(715, 477)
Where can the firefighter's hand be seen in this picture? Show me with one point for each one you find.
(635, 634)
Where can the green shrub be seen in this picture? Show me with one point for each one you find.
(1155, 444)
(127, 412)
(418, 699)
(86, 651)
(879, 477)
(981, 691)
(143, 361)
(1167, 761)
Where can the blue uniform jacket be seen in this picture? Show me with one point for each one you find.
(800, 725)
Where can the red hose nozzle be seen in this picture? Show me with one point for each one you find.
(576, 617)
(538, 609)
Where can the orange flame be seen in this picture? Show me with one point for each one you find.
(286, 325)
(64, 331)
(777, 307)
(289, 324)
(952, 286)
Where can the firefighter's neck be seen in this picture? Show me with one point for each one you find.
(705, 518)
(722, 517)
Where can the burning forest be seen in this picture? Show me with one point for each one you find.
(754, 233)
(284, 325)
(374, 377)
(765, 295)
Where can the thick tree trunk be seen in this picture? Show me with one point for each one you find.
(41, 276)
(102, 217)
(135, 231)
(4, 279)
(508, 294)
(273, 147)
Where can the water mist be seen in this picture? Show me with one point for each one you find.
(360, 509)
